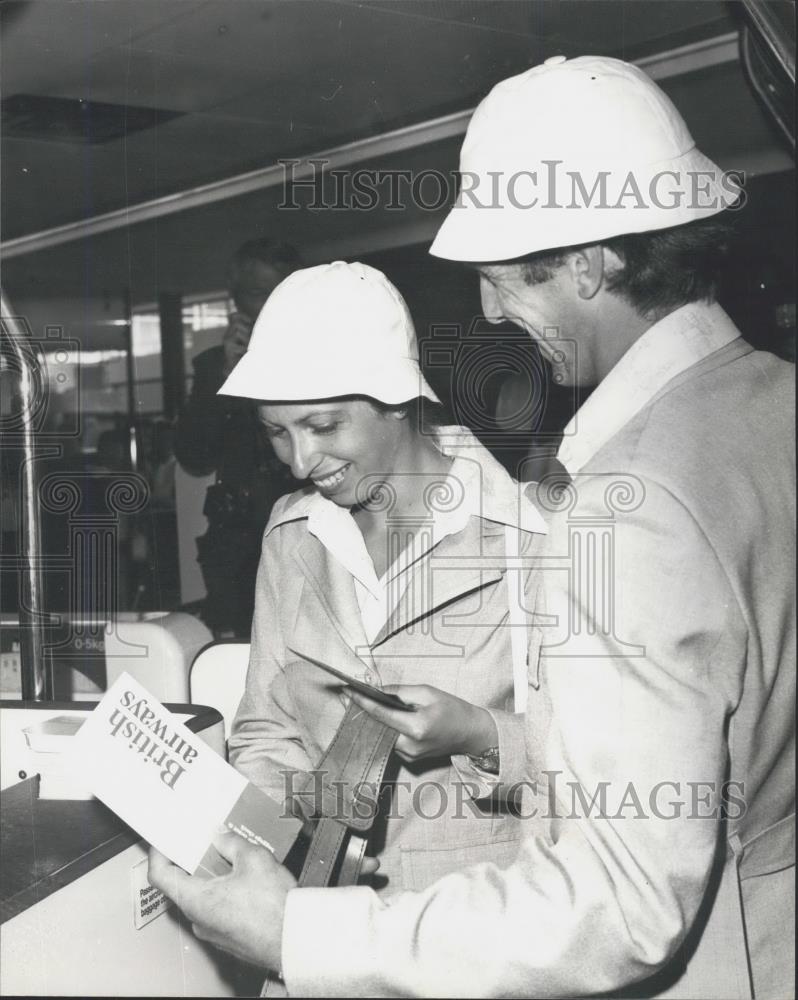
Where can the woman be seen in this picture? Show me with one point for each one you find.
(392, 567)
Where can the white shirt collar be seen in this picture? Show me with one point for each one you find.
(675, 343)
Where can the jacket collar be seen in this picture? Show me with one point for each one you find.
(459, 565)
(679, 341)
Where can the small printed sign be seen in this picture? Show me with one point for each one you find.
(148, 902)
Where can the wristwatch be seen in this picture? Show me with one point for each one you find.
(487, 761)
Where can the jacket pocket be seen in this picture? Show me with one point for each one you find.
(422, 867)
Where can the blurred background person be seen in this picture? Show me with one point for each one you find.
(157, 525)
(162, 461)
(222, 435)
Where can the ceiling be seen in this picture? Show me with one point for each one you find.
(254, 81)
(262, 79)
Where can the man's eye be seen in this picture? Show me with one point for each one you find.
(273, 432)
(325, 429)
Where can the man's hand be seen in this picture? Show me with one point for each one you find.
(241, 912)
(236, 340)
(440, 726)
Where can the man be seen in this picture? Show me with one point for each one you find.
(223, 435)
(660, 719)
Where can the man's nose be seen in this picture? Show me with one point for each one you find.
(491, 307)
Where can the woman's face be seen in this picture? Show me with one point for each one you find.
(336, 444)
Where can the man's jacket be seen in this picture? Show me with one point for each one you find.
(660, 729)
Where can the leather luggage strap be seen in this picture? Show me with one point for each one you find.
(342, 792)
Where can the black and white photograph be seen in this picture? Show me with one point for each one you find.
(397, 452)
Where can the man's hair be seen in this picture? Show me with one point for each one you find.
(661, 270)
(284, 258)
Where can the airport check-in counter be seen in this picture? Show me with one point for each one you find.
(87, 656)
(78, 916)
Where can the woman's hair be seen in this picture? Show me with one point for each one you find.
(661, 270)
(423, 415)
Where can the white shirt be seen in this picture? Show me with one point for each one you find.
(668, 348)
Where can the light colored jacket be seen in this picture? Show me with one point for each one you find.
(675, 665)
(448, 630)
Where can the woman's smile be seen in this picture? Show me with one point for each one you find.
(331, 481)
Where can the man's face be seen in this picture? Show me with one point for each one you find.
(549, 312)
(253, 283)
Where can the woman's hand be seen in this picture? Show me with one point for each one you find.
(440, 726)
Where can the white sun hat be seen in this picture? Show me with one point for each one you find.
(333, 330)
(575, 151)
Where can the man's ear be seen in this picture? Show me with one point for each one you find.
(586, 269)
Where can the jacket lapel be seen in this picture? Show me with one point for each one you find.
(438, 579)
(328, 597)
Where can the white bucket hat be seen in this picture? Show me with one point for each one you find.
(333, 330)
(575, 151)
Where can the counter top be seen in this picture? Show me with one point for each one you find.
(46, 844)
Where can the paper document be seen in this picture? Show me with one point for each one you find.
(169, 785)
(384, 697)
